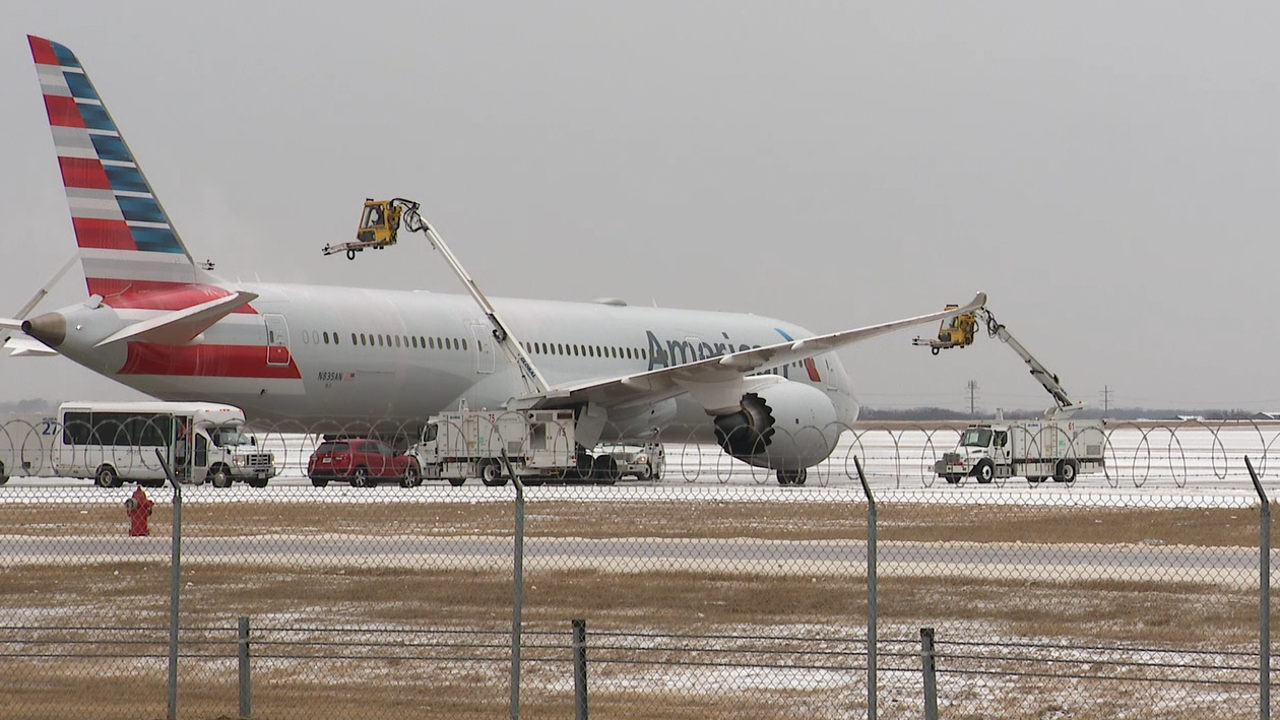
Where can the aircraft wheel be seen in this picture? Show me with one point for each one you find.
(792, 477)
(605, 469)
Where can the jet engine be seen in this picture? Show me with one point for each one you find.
(785, 426)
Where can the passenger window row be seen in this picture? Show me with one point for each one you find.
(600, 351)
(438, 343)
(379, 340)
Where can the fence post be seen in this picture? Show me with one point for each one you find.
(930, 674)
(246, 687)
(175, 579)
(518, 592)
(1264, 597)
(871, 591)
(580, 669)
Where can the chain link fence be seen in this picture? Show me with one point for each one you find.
(710, 591)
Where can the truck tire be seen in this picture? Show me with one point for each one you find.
(491, 474)
(360, 477)
(106, 477)
(457, 482)
(1035, 480)
(985, 472)
(257, 482)
(646, 473)
(219, 477)
(1066, 471)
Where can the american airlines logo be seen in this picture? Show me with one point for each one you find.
(669, 353)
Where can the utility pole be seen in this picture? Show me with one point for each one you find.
(1106, 398)
(973, 391)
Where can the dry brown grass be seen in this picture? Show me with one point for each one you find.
(1147, 614)
(277, 594)
(768, 520)
(664, 601)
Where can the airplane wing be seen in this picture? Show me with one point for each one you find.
(719, 382)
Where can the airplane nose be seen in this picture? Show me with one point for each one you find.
(49, 328)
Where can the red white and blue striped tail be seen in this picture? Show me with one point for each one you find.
(127, 243)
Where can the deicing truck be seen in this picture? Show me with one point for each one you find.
(1035, 449)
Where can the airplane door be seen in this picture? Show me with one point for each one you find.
(484, 348)
(277, 340)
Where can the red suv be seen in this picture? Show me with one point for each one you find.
(362, 463)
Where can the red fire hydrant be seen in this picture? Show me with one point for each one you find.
(139, 508)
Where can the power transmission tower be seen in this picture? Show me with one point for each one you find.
(973, 392)
(1106, 399)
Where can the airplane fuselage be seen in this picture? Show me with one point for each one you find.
(315, 354)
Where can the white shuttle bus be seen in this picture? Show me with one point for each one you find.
(115, 442)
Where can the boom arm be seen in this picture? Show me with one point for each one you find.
(514, 351)
(1038, 371)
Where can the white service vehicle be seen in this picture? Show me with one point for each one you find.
(1034, 449)
(645, 462)
(26, 445)
(470, 443)
(114, 442)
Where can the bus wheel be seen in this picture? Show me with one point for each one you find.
(219, 477)
(106, 477)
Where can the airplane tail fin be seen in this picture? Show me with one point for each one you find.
(127, 243)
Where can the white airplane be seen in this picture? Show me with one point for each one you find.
(773, 394)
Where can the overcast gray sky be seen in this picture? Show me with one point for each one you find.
(1107, 172)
